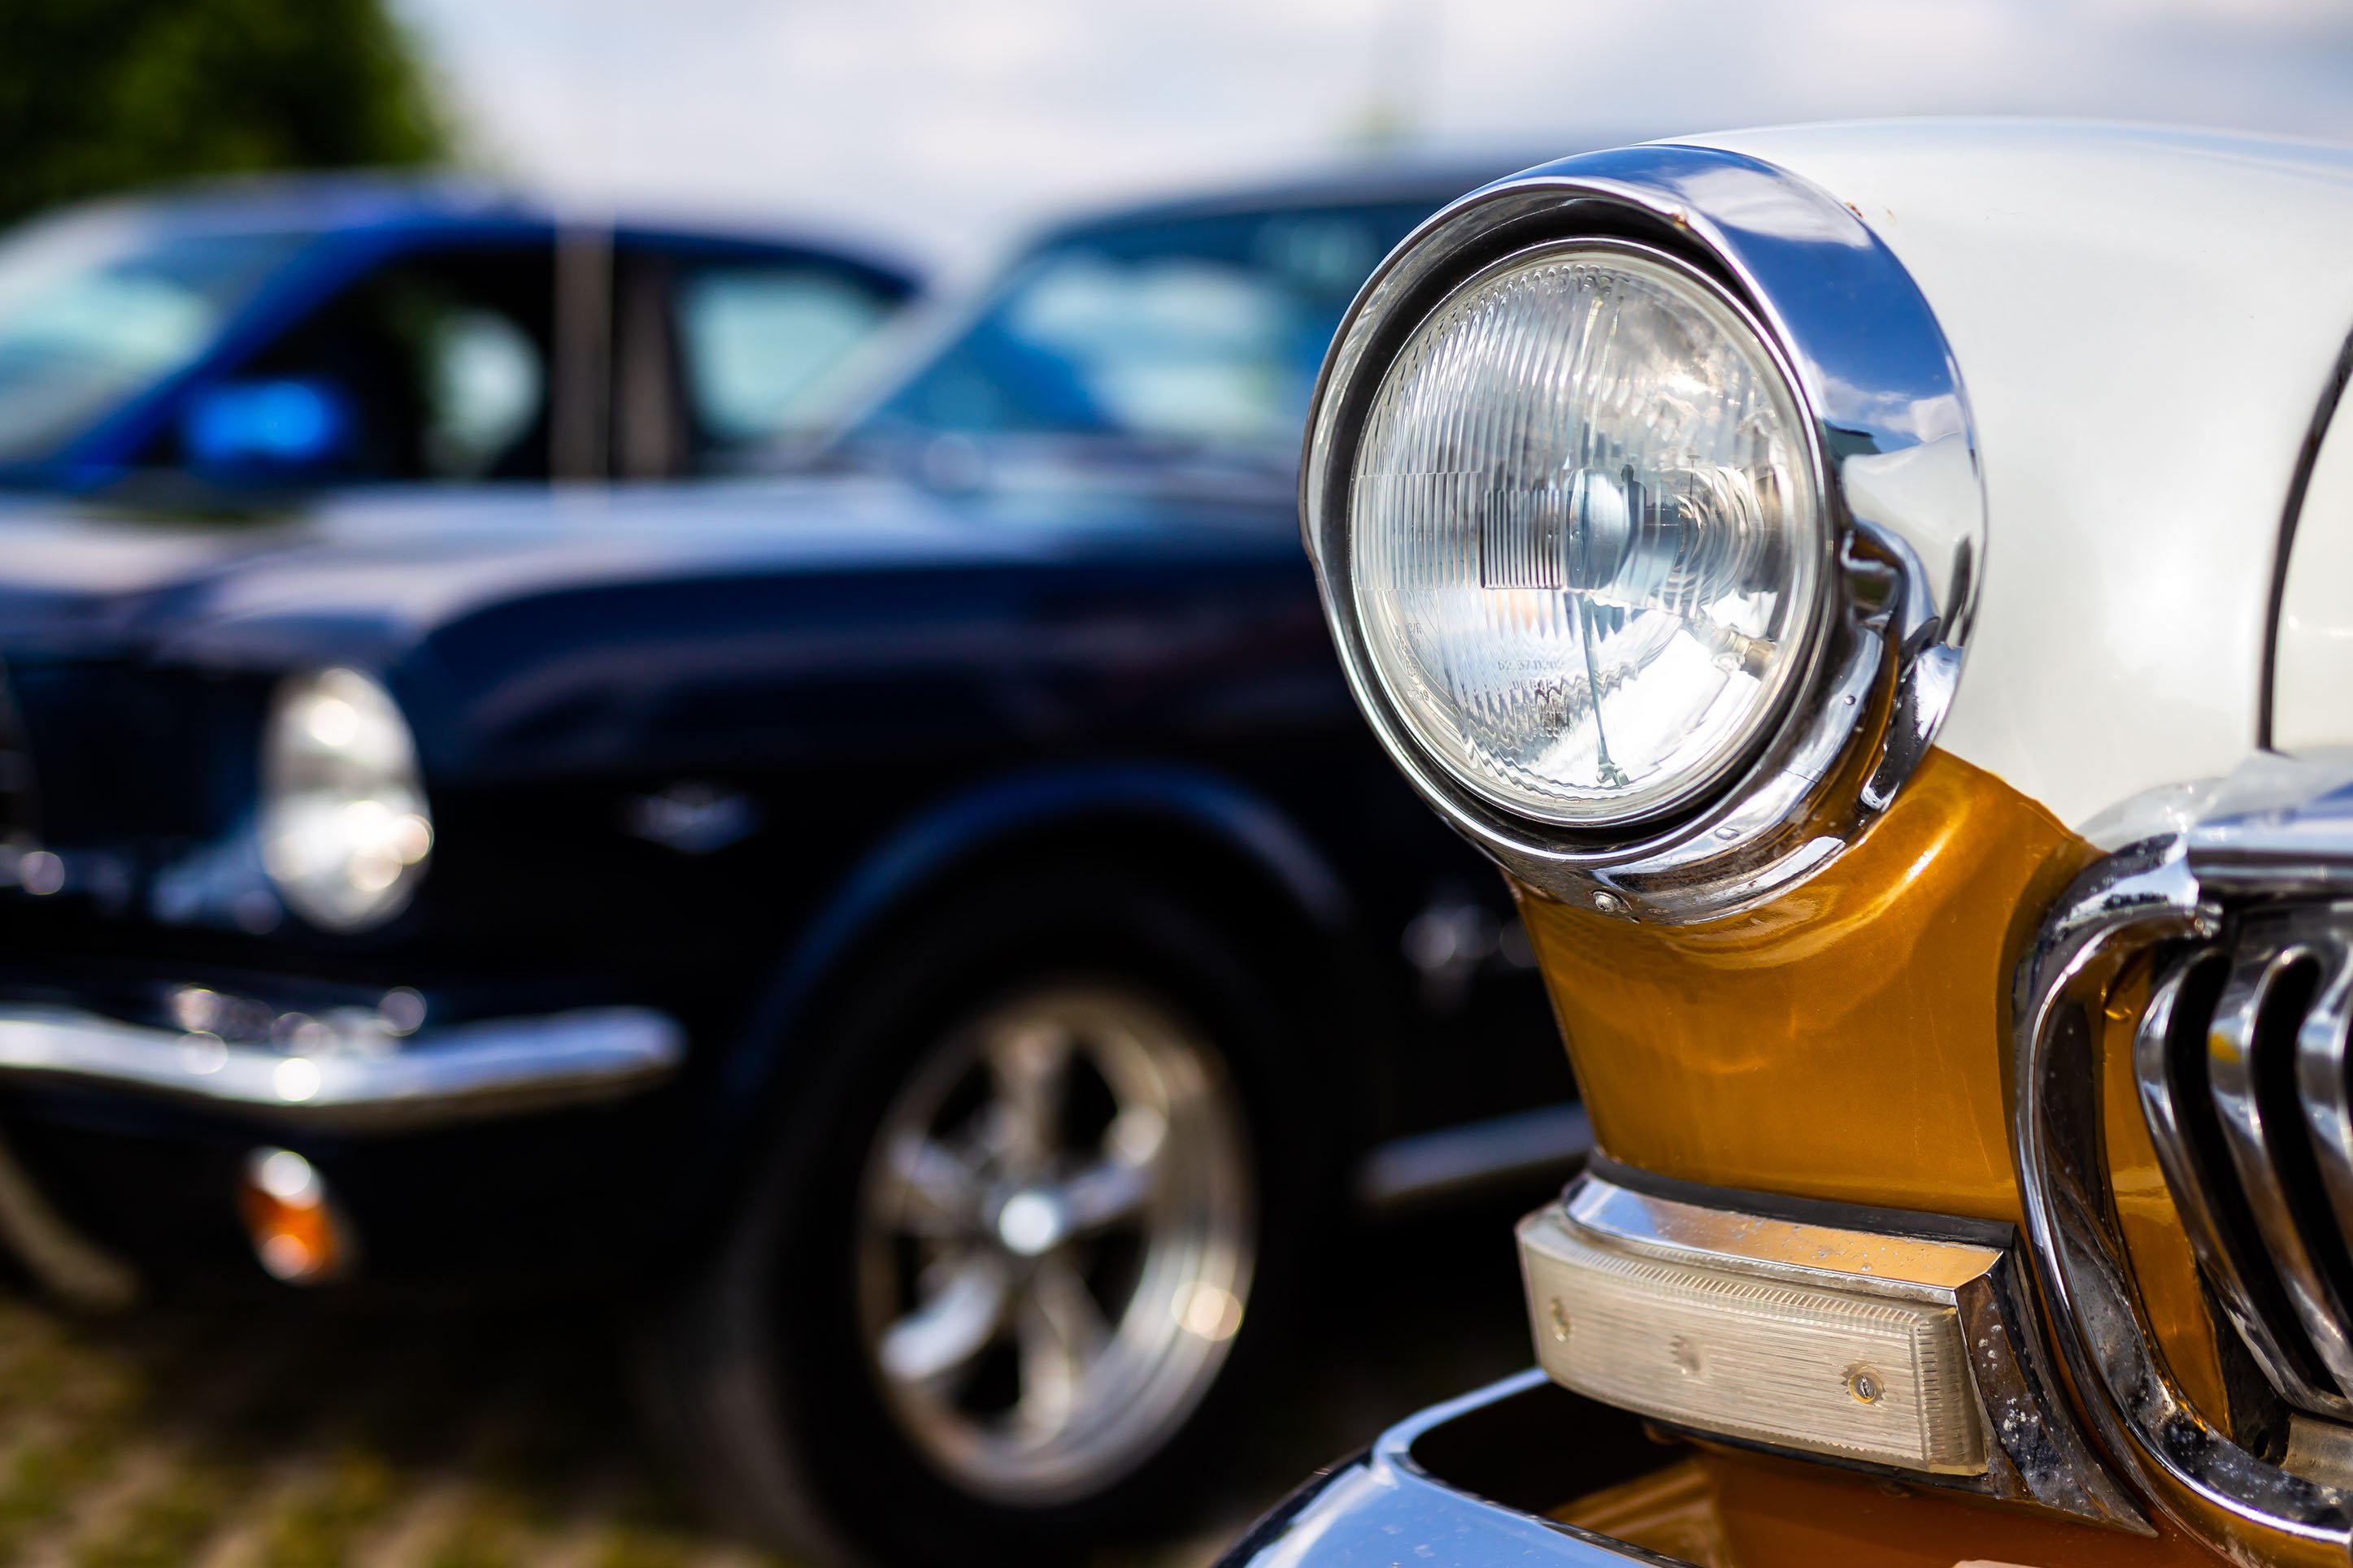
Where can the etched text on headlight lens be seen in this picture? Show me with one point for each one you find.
(1585, 541)
(345, 828)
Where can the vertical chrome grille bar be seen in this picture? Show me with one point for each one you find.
(2251, 1072)
(2321, 1084)
(2168, 1068)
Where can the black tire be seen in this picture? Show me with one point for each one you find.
(759, 1372)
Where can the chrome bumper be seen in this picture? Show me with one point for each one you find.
(495, 1067)
(1386, 1507)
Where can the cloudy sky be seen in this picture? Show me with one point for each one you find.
(936, 124)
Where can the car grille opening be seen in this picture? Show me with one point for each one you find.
(17, 814)
(2241, 1063)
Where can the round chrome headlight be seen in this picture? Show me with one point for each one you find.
(345, 828)
(1588, 544)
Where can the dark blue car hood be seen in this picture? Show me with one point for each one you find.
(364, 578)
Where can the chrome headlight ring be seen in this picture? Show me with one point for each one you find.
(1895, 458)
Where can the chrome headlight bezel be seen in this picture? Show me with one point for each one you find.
(345, 830)
(1903, 509)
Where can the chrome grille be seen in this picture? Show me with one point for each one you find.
(2240, 1061)
(2238, 908)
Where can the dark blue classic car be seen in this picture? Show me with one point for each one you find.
(353, 330)
(931, 920)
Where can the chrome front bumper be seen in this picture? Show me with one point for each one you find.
(492, 1068)
(1388, 1506)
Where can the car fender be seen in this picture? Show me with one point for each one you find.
(952, 835)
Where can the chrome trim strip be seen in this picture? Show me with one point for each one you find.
(1871, 1263)
(496, 1067)
(1526, 1143)
(1906, 510)
(1386, 1508)
(2032, 1450)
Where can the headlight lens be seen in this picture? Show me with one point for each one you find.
(1587, 543)
(345, 828)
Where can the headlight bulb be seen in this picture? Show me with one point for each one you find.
(346, 832)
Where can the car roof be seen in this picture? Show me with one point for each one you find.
(330, 203)
(1425, 183)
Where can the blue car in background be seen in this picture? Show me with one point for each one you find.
(336, 331)
(918, 908)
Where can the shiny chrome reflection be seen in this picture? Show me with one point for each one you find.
(1056, 1229)
(2171, 1051)
(359, 1071)
(2251, 1069)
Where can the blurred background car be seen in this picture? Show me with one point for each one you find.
(219, 343)
(888, 914)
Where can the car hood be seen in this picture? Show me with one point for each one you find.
(367, 575)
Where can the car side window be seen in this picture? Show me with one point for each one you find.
(434, 366)
(757, 340)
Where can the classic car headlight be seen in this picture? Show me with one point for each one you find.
(1645, 506)
(344, 827)
(1586, 541)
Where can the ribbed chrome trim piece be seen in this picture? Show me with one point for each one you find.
(2251, 1044)
(2320, 1077)
(497, 1067)
(2239, 1061)
(2170, 1066)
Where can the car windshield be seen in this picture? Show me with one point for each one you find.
(98, 306)
(1196, 332)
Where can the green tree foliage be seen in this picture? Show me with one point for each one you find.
(97, 95)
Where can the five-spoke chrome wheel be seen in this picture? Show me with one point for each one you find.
(1055, 1235)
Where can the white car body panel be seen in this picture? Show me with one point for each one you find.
(2144, 323)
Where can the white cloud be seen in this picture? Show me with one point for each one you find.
(934, 121)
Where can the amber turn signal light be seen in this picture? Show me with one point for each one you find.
(297, 1235)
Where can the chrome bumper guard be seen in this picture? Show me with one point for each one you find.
(1387, 1507)
(495, 1067)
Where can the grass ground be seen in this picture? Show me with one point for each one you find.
(285, 1436)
